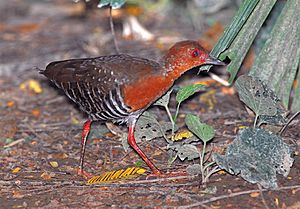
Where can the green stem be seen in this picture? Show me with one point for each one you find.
(201, 161)
(176, 114)
(208, 165)
(203, 152)
(214, 170)
(255, 121)
(171, 118)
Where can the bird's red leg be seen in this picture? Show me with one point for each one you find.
(85, 133)
(156, 172)
(132, 142)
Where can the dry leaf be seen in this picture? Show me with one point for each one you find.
(10, 103)
(47, 176)
(32, 86)
(17, 194)
(75, 120)
(36, 112)
(54, 164)
(221, 172)
(254, 194)
(60, 155)
(276, 201)
(16, 170)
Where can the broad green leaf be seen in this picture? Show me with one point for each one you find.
(278, 61)
(164, 100)
(187, 91)
(231, 32)
(202, 130)
(188, 151)
(241, 44)
(257, 155)
(256, 96)
(115, 4)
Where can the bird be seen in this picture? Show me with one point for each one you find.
(119, 88)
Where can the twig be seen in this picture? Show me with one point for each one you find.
(113, 30)
(14, 143)
(219, 79)
(213, 199)
(158, 180)
(289, 121)
(262, 196)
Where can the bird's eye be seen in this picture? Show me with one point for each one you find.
(196, 53)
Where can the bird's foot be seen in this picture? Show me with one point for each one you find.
(84, 173)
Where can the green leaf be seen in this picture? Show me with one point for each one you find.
(257, 155)
(231, 32)
(188, 151)
(278, 61)
(241, 44)
(164, 100)
(263, 101)
(256, 96)
(115, 4)
(188, 91)
(202, 130)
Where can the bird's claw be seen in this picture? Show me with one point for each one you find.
(84, 173)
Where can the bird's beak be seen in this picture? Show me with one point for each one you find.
(213, 61)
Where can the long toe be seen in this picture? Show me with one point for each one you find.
(84, 173)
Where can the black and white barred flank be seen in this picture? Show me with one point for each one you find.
(98, 106)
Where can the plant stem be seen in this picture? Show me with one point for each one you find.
(176, 114)
(208, 165)
(255, 121)
(201, 162)
(113, 30)
(171, 118)
(214, 170)
(289, 121)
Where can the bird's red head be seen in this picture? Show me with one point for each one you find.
(185, 55)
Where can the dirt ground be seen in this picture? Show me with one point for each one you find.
(38, 128)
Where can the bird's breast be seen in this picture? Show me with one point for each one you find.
(141, 94)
